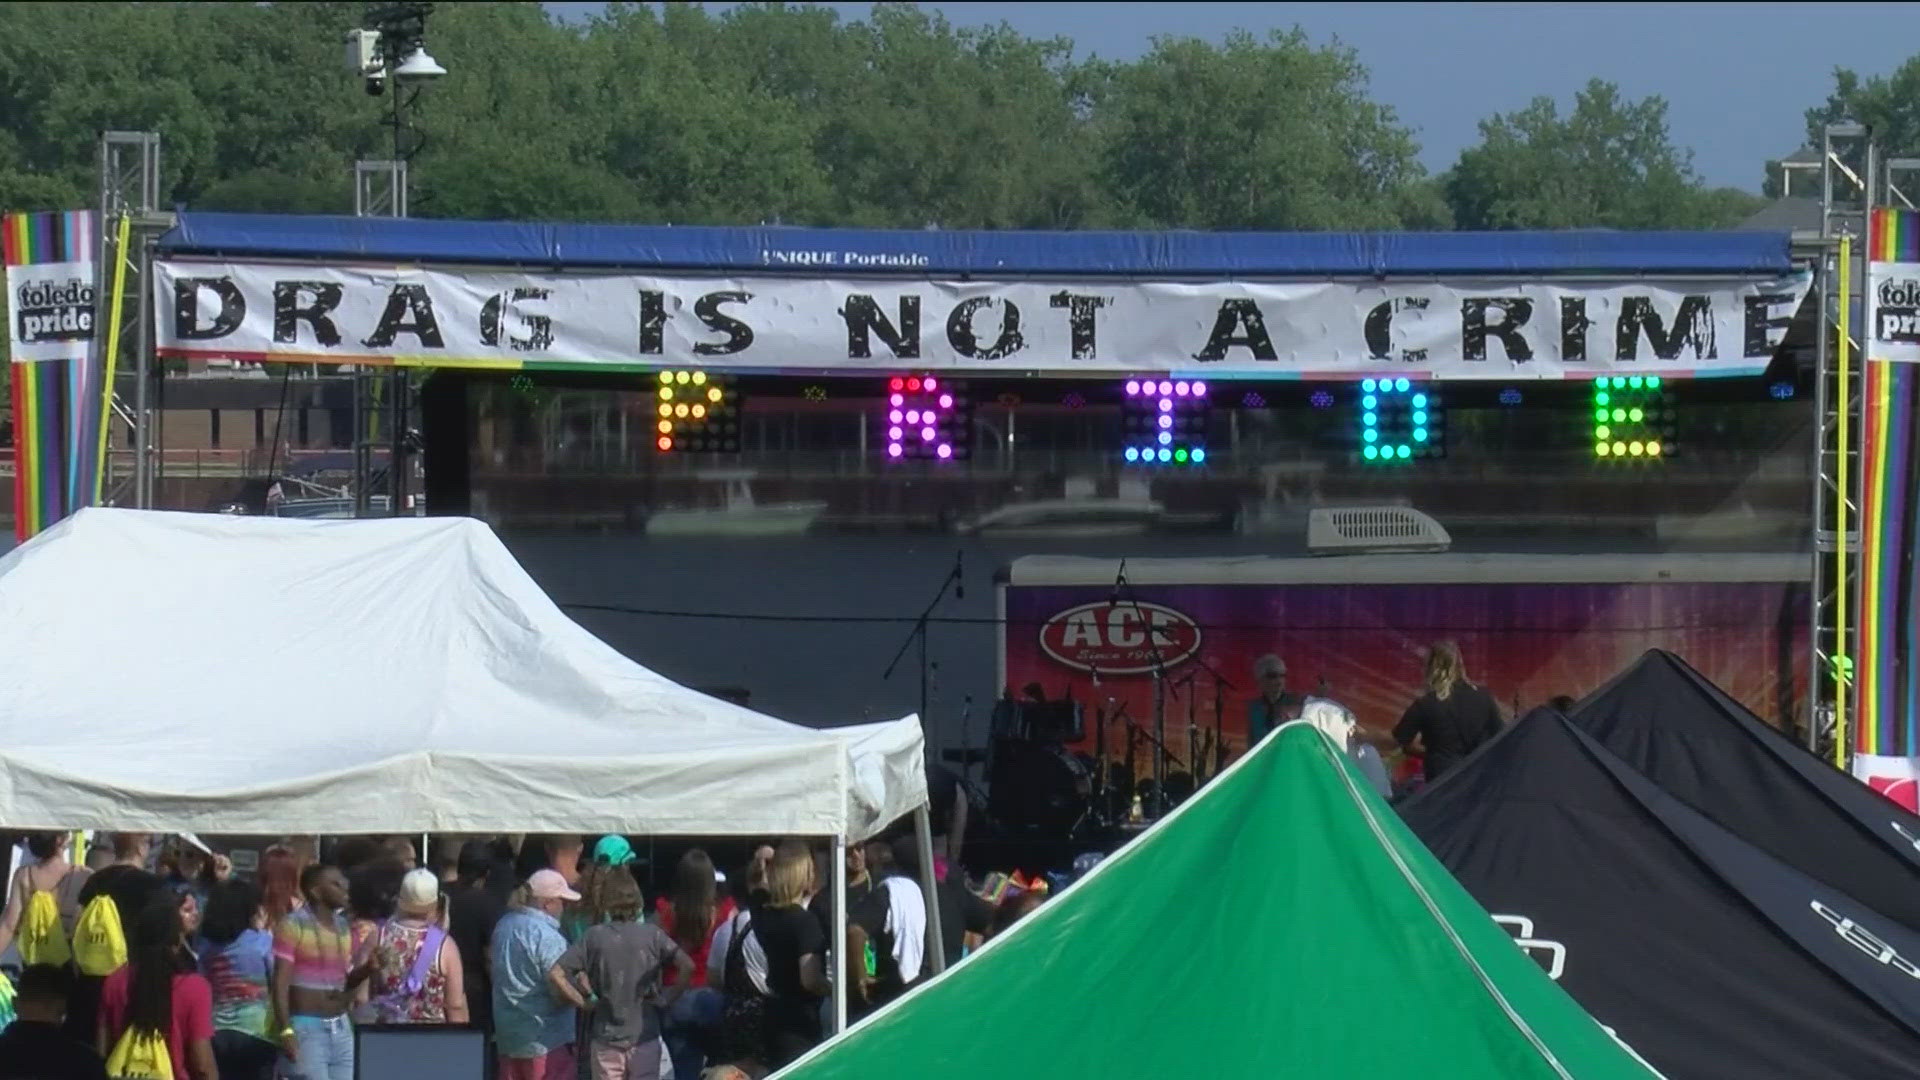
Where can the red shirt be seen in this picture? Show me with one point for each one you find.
(192, 1013)
(663, 917)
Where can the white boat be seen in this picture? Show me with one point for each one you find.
(735, 513)
(1080, 514)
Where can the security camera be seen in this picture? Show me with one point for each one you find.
(376, 83)
(363, 51)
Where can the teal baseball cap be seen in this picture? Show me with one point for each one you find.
(613, 851)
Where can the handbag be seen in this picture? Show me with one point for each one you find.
(742, 1033)
(392, 1007)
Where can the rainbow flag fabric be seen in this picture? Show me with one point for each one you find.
(1887, 671)
(56, 382)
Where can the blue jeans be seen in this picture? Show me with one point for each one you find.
(326, 1048)
(686, 1028)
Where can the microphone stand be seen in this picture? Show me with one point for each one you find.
(1219, 736)
(1099, 748)
(1193, 732)
(1120, 585)
(966, 743)
(919, 633)
(1143, 733)
(1220, 683)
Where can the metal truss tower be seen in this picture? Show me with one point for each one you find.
(130, 185)
(379, 399)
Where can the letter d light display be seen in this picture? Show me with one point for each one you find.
(1164, 421)
(927, 418)
(1400, 420)
(695, 412)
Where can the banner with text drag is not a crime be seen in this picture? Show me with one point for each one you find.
(1459, 329)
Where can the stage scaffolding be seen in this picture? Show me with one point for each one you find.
(1854, 179)
(130, 187)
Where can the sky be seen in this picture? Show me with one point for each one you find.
(1738, 78)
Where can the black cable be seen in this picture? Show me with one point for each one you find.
(279, 421)
(960, 620)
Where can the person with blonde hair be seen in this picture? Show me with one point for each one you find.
(1452, 718)
(795, 945)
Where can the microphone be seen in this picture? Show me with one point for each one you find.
(959, 575)
(1119, 579)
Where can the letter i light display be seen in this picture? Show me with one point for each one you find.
(1400, 420)
(1164, 421)
(927, 418)
(695, 412)
(1633, 418)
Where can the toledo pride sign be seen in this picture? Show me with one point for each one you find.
(1459, 329)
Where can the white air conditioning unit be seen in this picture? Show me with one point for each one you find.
(1368, 530)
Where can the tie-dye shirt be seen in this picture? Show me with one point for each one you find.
(319, 953)
(239, 973)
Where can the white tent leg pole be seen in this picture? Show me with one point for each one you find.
(839, 942)
(923, 836)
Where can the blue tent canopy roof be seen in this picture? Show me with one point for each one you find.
(781, 249)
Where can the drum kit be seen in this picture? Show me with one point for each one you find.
(1045, 795)
(1053, 785)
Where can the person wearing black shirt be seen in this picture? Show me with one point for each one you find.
(962, 912)
(472, 912)
(34, 1046)
(131, 887)
(1452, 719)
(866, 909)
(796, 948)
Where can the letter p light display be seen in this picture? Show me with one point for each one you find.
(1164, 421)
(1632, 418)
(927, 418)
(696, 412)
(1400, 420)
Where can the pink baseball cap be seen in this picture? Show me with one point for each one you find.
(549, 885)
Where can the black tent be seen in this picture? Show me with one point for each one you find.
(1685, 734)
(1706, 955)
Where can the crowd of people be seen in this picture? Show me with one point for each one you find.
(171, 965)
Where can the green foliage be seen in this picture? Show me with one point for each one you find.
(1890, 105)
(1253, 135)
(779, 113)
(1608, 164)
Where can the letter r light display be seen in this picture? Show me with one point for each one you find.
(926, 418)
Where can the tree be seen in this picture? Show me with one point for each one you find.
(766, 112)
(1252, 134)
(912, 121)
(1608, 164)
(1889, 104)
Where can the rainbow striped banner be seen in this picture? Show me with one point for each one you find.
(1887, 669)
(58, 390)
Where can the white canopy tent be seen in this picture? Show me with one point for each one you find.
(197, 673)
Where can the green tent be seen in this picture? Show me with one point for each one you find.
(1283, 923)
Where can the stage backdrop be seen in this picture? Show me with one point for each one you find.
(1362, 644)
